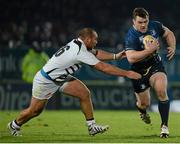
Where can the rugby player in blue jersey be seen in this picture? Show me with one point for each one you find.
(144, 59)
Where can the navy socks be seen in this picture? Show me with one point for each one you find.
(163, 107)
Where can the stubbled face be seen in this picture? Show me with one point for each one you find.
(141, 24)
(91, 42)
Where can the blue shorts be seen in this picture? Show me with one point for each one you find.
(143, 83)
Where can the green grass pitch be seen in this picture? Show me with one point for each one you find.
(69, 127)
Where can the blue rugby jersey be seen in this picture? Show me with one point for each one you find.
(134, 39)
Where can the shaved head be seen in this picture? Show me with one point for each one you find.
(86, 32)
(89, 37)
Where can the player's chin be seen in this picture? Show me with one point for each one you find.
(93, 46)
(143, 30)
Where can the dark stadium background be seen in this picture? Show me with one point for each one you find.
(55, 22)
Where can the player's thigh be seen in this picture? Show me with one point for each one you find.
(143, 98)
(158, 81)
(43, 88)
(76, 88)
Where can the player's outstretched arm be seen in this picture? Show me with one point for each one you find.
(105, 56)
(113, 70)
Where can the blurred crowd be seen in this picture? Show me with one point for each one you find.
(53, 23)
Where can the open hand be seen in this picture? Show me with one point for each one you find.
(133, 75)
(152, 45)
(171, 52)
(121, 55)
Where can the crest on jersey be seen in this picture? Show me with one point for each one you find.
(153, 32)
(141, 38)
(143, 86)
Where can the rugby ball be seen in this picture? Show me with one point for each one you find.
(148, 38)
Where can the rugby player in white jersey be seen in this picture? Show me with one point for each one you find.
(56, 75)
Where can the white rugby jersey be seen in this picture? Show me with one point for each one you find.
(68, 59)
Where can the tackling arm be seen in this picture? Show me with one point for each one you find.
(103, 55)
(112, 70)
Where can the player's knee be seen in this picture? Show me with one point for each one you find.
(144, 104)
(162, 95)
(85, 95)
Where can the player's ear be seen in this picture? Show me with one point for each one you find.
(133, 20)
(88, 39)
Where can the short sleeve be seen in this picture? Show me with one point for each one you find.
(159, 27)
(87, 57)
(130, 43)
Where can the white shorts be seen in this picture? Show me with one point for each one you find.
(44, 88)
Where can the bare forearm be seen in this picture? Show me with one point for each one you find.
(135, 56)
(110, 69)
(103, 55)
(170, 39)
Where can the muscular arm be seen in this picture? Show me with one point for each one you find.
(170, 38)
(112, 70)
(171, 42)
(134, 56)
(105, 56)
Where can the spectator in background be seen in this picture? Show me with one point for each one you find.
(33, 62)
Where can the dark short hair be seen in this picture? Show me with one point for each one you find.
(141, 12)
(86, 32)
